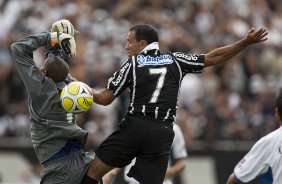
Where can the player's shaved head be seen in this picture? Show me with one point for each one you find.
(55, 68)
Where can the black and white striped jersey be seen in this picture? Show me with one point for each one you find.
(154, 79)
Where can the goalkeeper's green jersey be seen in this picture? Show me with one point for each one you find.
(51, 126)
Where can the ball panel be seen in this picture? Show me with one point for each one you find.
(73, 89)
(68, 103)
(63, 92)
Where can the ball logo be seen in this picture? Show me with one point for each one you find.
(85, 102)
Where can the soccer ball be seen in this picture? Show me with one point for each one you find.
(76, 97)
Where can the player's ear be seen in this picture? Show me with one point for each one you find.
(143, 43)
(43, 68)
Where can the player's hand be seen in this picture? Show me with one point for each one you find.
(64, 26)
(256, 36)
(66, 41)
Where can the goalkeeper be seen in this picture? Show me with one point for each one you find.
(57, 140)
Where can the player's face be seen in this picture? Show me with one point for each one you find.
(133, 46)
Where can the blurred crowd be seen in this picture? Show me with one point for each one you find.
(234, 101)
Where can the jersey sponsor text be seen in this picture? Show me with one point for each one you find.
(154, 60)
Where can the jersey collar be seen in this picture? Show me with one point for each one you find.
(151, 46)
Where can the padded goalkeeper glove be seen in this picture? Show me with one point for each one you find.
(66, 41)
(53, 51)
(57, 51)
(64, 26)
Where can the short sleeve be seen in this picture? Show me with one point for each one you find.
(178, 146)
(254, 163)
(121, 79)
(190, 63)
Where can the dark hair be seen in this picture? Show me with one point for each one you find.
(145, 32)
(279, 102)
(56, 68)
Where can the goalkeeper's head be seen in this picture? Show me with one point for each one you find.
(55, 68)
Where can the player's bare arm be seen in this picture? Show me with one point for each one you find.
(175, 169)
(233, 180)
(222, 54)
(103, 97)
(109, 177)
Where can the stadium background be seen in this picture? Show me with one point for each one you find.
(221, 111)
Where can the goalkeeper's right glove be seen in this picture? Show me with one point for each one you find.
(64, 26)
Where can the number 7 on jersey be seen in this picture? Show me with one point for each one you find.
(161, 72)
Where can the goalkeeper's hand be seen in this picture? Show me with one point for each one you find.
(64, 26)
(66, 41)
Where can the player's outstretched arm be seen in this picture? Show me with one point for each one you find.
(22, 52)
(222, 54)
(103, 97)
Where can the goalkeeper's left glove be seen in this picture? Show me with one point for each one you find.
(66, 41)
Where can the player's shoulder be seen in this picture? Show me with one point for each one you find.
(276, 134)
(127, 64)
(270, 138)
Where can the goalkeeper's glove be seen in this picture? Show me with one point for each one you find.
(56, 51)
(64, 26)
(66, 41)
(53, 51)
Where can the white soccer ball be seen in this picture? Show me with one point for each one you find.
(76, 97)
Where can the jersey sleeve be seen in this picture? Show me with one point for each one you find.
(22, 51)
(190, 63)
(255, 162)
(121, 79)
(178, 145)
